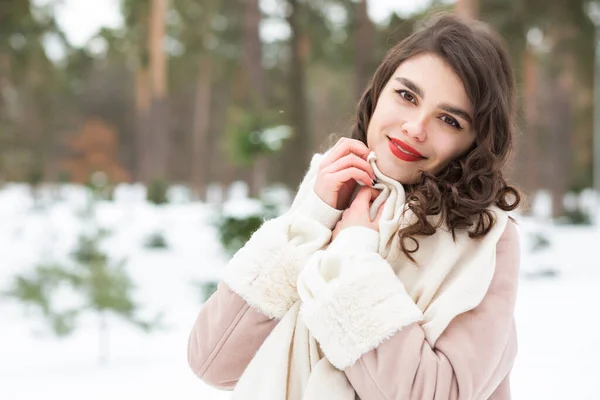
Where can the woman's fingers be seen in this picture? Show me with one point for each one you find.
(343, 147)
(350, 160)
(337, 179)
(374, 193)
(365, 197)
(344, 163)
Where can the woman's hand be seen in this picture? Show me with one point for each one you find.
(358, 214)
(339, 171)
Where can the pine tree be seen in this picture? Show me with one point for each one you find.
(102, 284)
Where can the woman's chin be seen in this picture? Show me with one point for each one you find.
(393, 168)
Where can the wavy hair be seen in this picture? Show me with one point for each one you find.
(463, 192)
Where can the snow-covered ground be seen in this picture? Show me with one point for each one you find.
(557, 316)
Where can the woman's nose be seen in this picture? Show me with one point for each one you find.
(415, 129)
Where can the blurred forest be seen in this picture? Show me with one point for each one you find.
(169, 96)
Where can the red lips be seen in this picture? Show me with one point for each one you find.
(404, 151)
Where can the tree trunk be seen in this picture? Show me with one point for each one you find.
(221, 171)
(255, 85)
(296, 153)
(253, 53)
(528, 159)
(5, 85)
(364, 44)
(158, 83)
(559, 128)
(142, 124)
(202, 114)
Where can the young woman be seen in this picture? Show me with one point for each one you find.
(394, 274)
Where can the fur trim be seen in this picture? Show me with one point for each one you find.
(264, 271)
(351, 308)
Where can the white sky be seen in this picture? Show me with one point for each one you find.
(81, 19)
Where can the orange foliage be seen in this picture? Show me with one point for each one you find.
(94, 148)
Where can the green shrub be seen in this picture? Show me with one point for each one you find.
(234, 232)
(157, 192)
(156, 240)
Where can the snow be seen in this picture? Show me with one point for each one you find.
(274, 137)
(557, 319)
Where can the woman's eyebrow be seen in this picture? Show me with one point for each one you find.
(456, 111)
(444, 106)
(411, 85)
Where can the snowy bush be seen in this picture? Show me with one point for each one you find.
(96, 284)
(240, 219)
(156, 240)
(253, 133)
(157, 192)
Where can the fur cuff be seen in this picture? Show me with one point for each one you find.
(355, 311)
(264, 272)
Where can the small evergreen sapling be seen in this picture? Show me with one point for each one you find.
(101, 285)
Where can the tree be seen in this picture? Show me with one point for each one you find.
(561, 58)
(94, 149)
(28, 91)
(210, 33)
(195, 37)
(297, 151)
(135, 15)
(145, 23)
(364, 45)
(254, 84)
(102, 285)
(159, 168)
(106, 288)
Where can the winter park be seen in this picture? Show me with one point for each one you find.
(143, 143)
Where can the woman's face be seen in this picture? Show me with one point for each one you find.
(422, 121)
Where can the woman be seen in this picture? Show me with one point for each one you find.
(402, 286)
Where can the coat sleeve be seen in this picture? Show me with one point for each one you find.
(472, 358)
(258, 287)
(225, 337)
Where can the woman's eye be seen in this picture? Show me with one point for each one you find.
(406, 95)
(451, 121)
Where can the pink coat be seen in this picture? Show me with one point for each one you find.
(478, 347)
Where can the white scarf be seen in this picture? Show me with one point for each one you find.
(452, 277)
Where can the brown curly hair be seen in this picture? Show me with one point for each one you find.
(463, 192)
